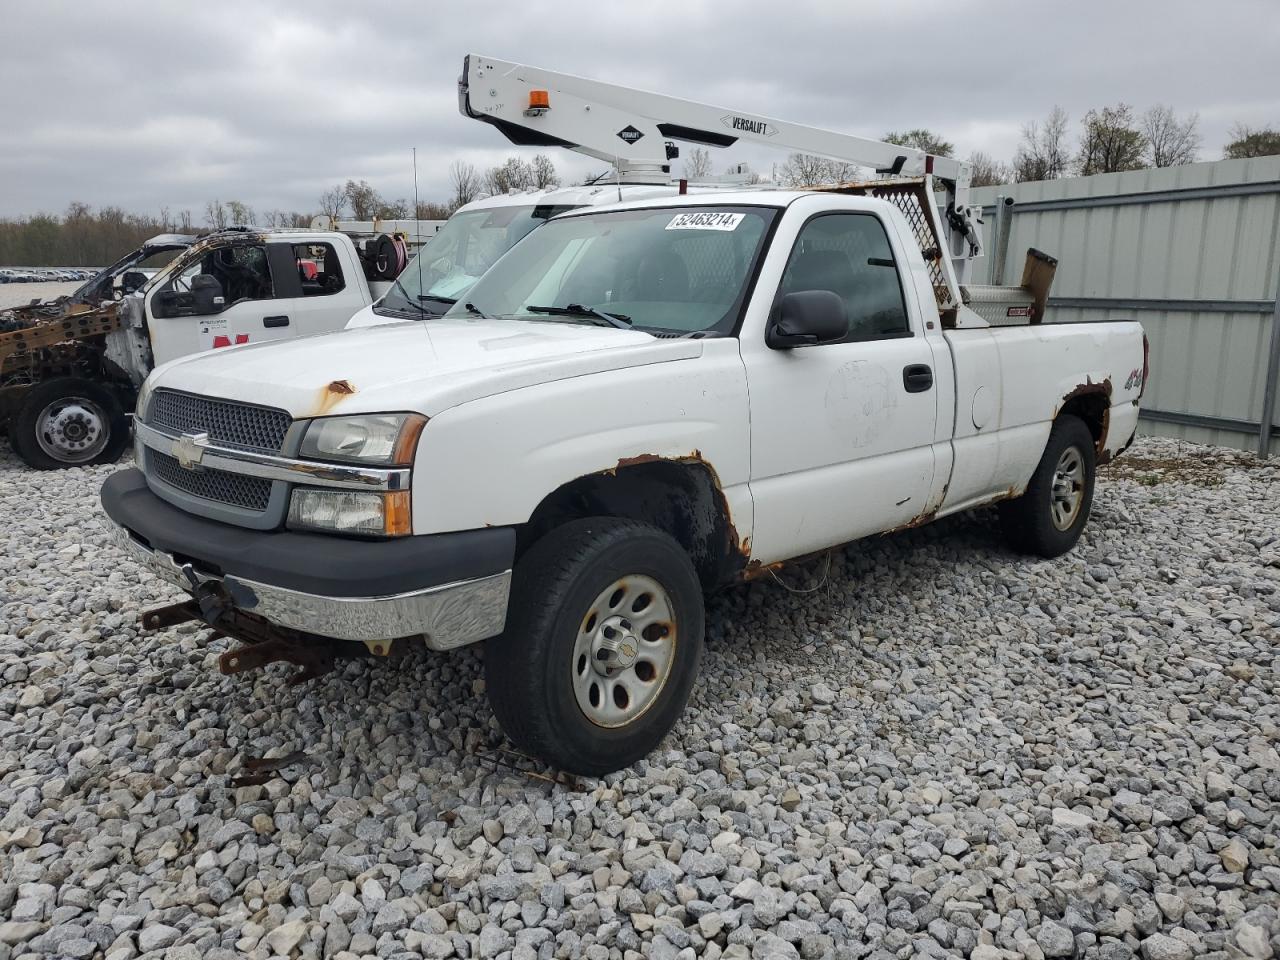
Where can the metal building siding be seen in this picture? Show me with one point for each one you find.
(1208, 362)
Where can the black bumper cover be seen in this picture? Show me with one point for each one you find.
(313, 563)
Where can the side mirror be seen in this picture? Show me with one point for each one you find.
(206, 295)
(133, 280)
(806, 318)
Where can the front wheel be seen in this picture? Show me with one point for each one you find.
(602, 645)
(69, 422)
(1050, 516)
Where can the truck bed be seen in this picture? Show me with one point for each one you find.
(1011, 382)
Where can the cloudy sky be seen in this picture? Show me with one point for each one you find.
(156, 103)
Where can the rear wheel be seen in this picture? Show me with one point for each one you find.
(602, 645)
(1050, 516)
(69, 422)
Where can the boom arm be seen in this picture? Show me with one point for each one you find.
(632, 129)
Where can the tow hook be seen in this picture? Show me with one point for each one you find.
(212, 598)
(263, 642)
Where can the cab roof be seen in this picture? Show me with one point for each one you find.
(736, 198)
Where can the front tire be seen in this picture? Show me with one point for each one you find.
(69, 422)
(1049, 517)
(602, 645)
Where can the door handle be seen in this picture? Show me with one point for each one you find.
(917, 377)
(281, 321)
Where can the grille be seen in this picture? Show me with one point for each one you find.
(234, 489)
(228, 423)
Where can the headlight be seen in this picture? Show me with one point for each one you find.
(381, 438)
(354, 512)
(144, 399)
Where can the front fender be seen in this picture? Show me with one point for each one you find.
(491, 461)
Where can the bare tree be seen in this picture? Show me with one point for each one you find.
(806, 170)
(184, 220)
(239, 213)
(465, 181)
(1170, 142)
(986, 171)
(922, 139)
(511, 175)
(215, 214)
(435, 211)
(1249, 142)
(363, 199)
(543, 172)
(392, 210)
(1111, 143)
(333, 201)
(697, 166)
(1044, 153)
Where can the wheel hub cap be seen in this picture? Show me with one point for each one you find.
(71, 430)
(1067, 493)
(624, 651)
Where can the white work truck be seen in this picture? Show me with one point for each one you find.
(636, 404)
(70, 369)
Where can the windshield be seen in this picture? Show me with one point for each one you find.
(669, 269)
(455, 258)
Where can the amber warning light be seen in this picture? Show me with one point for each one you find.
(539, 103)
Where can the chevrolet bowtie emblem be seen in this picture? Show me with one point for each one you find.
(189, 450)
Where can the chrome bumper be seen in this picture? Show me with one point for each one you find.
(447, 616)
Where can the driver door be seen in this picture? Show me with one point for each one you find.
(227, 296)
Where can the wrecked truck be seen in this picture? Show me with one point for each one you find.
(70, 368)
(636, 404)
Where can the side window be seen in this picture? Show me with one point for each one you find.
(849, 254)
(319, 269)
(244, 272)
(241, 271)
(215, 280)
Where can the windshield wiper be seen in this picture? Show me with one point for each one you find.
(473, 309)
(618, 320)
(404, 295)
(431, 296)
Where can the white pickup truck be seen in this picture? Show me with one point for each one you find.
(636, 404)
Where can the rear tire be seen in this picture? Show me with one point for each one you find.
(1049, 517)
(602, 645)
(69, 422)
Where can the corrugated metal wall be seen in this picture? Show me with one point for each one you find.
(1192, 252)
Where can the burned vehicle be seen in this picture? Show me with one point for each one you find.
(70, 368)
(62, 401)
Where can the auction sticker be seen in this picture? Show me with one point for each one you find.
(705, 221)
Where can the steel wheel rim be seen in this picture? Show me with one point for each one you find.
(624, 650)
(1067, 494)
(72, 430)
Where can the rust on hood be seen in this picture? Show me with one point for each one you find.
(331, 395)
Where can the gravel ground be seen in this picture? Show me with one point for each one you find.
(20, 294)
(945, 750)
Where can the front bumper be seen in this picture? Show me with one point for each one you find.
(451, 589)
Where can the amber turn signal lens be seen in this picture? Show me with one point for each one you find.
(407, 441)
(397, 514)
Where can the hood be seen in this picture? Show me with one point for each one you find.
(425, 367)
